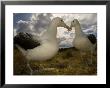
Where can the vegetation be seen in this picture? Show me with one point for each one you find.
(66, 62)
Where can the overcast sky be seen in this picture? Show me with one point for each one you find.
(36, 23)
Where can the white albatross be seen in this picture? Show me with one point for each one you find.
(48, 45)
(83, 42)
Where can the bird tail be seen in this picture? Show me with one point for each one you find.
(23, 51)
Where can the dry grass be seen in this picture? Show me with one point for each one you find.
(66, 62)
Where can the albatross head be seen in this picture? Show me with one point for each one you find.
(60, 23)
(74, 23)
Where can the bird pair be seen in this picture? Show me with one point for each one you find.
(46, 45)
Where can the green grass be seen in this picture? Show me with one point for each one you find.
(66, 62)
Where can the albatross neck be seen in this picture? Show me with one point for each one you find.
(52, 30)
(78, 30)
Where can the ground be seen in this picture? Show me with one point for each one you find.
(66, 62)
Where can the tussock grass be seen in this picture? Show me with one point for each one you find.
(66, 62)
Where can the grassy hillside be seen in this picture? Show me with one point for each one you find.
(66, 62)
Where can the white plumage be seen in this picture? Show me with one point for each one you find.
(48, 43)
(81, 41)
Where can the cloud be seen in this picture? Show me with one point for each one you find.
(43, 21)
(20, 16)
(88, 21)
(65, 37)
(24, 26)
(15, 33)
(84, 18)
(36, 23)
(66, 43)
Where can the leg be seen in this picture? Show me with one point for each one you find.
(81, 56)
(85, 60)
(28, 65)
(91, 57)
(82, 59)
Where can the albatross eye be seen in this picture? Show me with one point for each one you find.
(61, 20)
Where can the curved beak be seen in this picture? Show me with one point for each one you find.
(70, 27)
(66, 26)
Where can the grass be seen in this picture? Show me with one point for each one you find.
(66, 62)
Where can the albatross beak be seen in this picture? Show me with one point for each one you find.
(69, 29)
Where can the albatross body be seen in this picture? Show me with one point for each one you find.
(47, 46)
(43, 47)
(83, 42)
(45, 51)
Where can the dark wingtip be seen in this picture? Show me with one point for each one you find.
(25, 40)
(92, 38)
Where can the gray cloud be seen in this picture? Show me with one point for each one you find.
(42, 22)
(23, 26)
(38, 24)
(86, 23)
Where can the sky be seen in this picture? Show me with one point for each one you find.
(35, 23)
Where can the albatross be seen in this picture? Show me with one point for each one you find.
(83, 42)
(43, 48)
